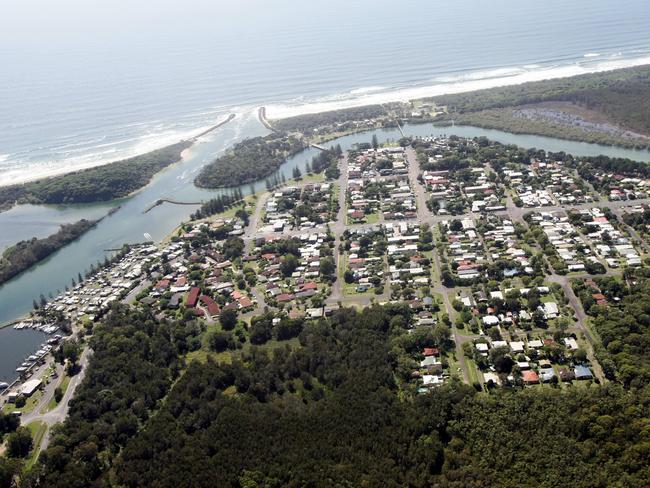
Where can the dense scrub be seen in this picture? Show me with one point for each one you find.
(249, 161)
(506, 119)
(328, 414)
(623, 326)
(308, 122)
(26, 254)
(622, 96)
(99, 184)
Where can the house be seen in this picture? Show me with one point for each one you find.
(432, 364)
(530, 377)
(517, 346)
(175, 300)
(566, 375)
(571, 343)
(29, 387)
(490, 320)
(481, 347)
(493, 377)
(284, 298)
(161, 286)
(193, 297)
(430, 380)
(245, 302)
(582, 372)
(431, 351)
(212, 306)
(551, 310)
(547, 374)
(314, 313)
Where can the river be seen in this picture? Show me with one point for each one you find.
(129, 223)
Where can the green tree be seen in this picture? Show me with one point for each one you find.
(228, 319)
(19, 443)
(289, 264)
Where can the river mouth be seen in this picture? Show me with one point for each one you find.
(130, 225)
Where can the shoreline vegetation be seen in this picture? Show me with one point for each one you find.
(250, 160)
(260, 157)
(610, 108)
(101, 183)
(22, 256)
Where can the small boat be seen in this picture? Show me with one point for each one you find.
(3, 385)
(21, 369)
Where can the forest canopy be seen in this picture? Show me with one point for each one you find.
(26, 254)
(249, 161)
(327, 411)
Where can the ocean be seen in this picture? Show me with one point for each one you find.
(86, 83)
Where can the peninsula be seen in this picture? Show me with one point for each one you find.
(25, 254)
(101, 183)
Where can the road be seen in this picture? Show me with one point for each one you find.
(338, 228)
(575, 303)
(424, 216)
(60, 412)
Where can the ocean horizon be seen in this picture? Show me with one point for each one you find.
(73, 105)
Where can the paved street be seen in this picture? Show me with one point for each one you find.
(424, 216)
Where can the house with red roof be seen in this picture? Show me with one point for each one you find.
(193, 297)
(431, 351)
(245, 302)
(161, 286)
(530, 377)
(212, 306)
(308, 286)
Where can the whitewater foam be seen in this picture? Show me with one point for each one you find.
(25, 172)
(367, 89)
(463, 82)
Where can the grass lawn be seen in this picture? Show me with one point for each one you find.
(472, 370)
(452, 312)
(38, 430)
(351, 289)
(273, 344)
(29, 406)
(372, 218)
(202, 356)
(53, 403)
(311, 178)
(454, 366)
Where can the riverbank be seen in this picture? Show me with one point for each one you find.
(129, 224)
(25, 254)
(608, 107)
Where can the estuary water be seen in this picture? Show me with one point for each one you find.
(129, 224)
